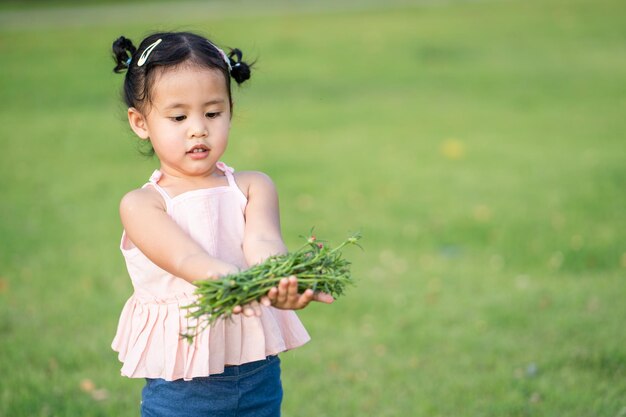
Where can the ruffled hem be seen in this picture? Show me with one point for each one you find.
(150, 346)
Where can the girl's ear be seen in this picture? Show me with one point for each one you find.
(138, 123)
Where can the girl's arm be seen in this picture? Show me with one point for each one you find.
(148, 227)
(262, 238)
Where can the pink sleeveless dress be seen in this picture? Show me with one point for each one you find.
(148, 335)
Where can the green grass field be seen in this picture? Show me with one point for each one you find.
(479, 146)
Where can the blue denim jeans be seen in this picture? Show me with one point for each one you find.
(251, 389)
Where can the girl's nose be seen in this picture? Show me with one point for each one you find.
(199, 132)
(198, 129)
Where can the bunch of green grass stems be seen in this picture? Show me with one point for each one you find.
(316, 265)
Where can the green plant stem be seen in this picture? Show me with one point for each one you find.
(316, 266)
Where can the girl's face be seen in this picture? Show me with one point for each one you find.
(187, 121)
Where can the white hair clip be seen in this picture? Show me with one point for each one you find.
(146, 53)
(224, 56)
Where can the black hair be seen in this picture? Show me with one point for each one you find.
(174, 48)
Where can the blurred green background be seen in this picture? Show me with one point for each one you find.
(479, 146)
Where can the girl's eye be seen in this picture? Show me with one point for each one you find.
(212, 115)
(179, 118)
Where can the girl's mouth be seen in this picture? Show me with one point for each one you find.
(198, 151)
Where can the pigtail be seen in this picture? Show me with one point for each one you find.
(123, 51)
(240, 70)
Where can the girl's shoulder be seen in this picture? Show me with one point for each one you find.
(141, 199)
(254, 182)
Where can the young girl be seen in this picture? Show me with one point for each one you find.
(197, 219)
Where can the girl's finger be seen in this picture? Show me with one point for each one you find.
(292, 289)
(282, 291)
(322, 297)
(272, 294)
(305, 298)
(248, 310)
(252, 309)
(257, 308)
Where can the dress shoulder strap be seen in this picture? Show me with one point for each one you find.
(228, 171)
(154, 183)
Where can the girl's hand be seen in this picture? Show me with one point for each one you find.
(286, 296)
(252, 309)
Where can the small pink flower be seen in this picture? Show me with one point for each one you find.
(311, 239)
(319, 245)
